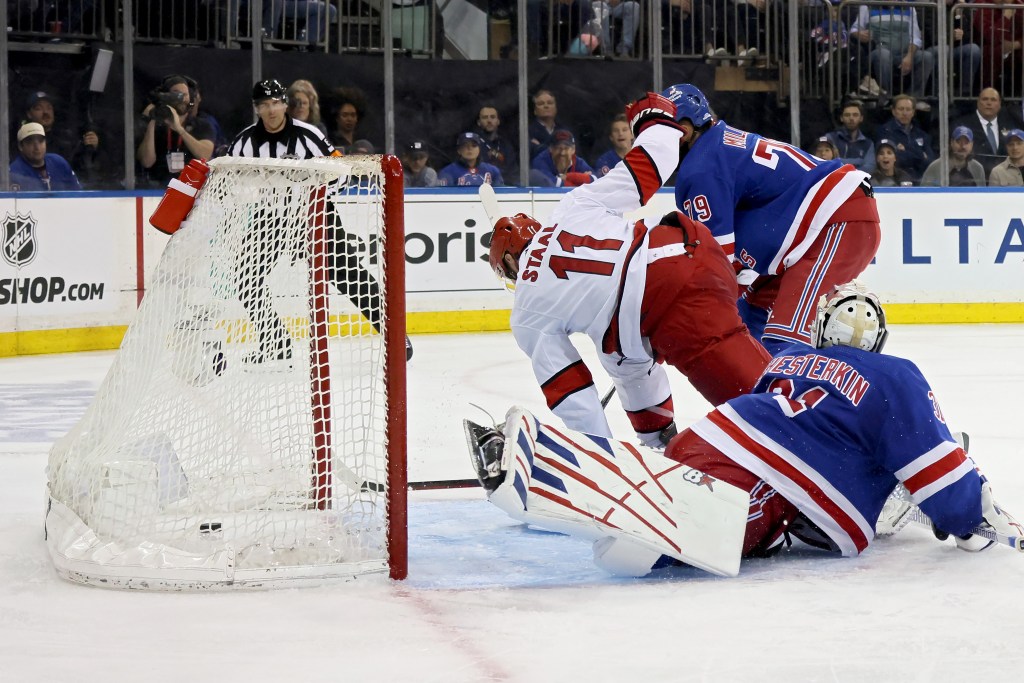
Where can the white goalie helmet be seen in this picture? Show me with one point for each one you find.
(850, 316)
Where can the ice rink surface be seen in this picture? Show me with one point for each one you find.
(490, 600)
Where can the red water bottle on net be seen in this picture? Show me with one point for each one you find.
(179, 197)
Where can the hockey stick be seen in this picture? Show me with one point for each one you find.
(916, 515)
(490, 202)
(353, 482)
(607, 397)
(1016, 542)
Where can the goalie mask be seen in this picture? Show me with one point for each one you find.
(850, 316)
(510, 237)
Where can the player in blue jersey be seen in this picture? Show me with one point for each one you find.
(794, 225)
(829, 432)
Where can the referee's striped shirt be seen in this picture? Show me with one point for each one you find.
(297, 140)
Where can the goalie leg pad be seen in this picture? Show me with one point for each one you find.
(594, 488)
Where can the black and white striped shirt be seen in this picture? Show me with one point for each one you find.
(297, 140)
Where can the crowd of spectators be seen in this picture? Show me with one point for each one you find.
(885, 124)
(985, 145)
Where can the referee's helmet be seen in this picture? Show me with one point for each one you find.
(269, 89)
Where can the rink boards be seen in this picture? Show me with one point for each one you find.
(74, 265)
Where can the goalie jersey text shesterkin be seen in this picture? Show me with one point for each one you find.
(586, 272)
(764, 201)
(834, 429)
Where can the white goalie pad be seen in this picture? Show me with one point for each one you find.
(595, 488)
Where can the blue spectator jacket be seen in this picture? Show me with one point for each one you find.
(458, 174)
(859, 153)
(917, 150)
(28, 179)
(606, 162)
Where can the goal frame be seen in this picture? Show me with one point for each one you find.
(78, 552)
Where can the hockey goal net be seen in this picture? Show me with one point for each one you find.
(251, 429)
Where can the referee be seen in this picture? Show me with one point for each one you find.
(276, 135)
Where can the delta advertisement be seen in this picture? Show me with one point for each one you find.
(71, 262)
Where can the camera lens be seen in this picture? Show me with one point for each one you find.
(162, 113)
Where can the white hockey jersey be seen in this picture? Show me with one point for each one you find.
(587, 273)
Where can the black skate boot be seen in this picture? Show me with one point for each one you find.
(486, 445)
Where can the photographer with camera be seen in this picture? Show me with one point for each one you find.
(174, 135)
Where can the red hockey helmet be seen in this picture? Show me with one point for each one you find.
(510, 236)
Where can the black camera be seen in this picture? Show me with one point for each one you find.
(164, 101)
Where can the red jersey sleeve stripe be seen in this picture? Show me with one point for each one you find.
(566, 382)
(936, 471)
(644, 171)
(652, 419)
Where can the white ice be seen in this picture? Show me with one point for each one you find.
(488, 600)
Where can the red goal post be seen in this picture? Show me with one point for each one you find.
(251, 430)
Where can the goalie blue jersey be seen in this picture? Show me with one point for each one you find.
(764, 201)
(833, 430)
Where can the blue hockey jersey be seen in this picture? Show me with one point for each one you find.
(764, 201)
(833, 430)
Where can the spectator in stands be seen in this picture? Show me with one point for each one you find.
(558, 165)
(498, 150)
(72, 14)
(989, 124)
(1010, 173)
(963, 170)
(626, 11)
(913, 146)
(887, 169)
(709, 20)
(894, 37)
(310, 18)
(562, 19)
(964, 53)
(220, 140)
(174, 135)
(854, 147)
(361, 146)
(545, 121)
(415, 166)
(36, 171)
(304, 104)
(91, 161)
(825, 149)
(1001, 34)
(468, 170)
(621, 137)
(747, 23)
(348, 110)
(680, 34)
(39, 109)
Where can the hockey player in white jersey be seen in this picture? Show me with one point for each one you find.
(814, 451)
(643, 293)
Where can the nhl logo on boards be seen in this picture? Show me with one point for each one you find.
(19, 239)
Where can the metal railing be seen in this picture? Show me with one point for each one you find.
(971, 45)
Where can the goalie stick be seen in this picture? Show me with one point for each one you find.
(1016, 542)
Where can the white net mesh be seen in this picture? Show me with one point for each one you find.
(240, 436)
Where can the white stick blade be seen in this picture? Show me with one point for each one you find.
(490, 201)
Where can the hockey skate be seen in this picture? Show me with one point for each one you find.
(486, 446)
(270, 357)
